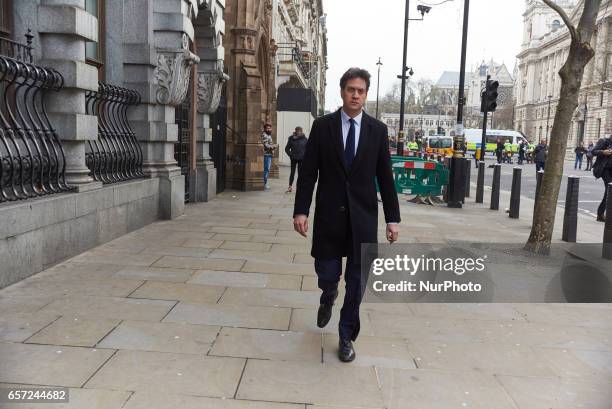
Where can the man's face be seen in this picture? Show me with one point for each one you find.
(268, 129)
(543, 141)
(354, 94)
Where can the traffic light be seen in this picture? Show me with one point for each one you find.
(489, 97)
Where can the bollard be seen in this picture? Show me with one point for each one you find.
(607, 238)
(480, 183)
(570, 216)
(468, 171)
(515, 194)
(495, 187)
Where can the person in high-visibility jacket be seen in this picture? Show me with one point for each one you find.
(508, 152)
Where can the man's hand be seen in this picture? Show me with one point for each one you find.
(300, 224)
(607, 152)
(392, 232)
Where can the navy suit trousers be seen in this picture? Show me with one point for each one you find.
(328, 273)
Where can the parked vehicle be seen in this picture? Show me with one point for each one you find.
(473, 139)
(439, 144)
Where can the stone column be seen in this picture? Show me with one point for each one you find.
(209, 30)
(157, 63)
(64, 27)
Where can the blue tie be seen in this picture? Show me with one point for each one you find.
(349, 149)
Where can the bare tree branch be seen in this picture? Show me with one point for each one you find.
(564, 17)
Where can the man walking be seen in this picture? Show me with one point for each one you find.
(589, 155)
(579, 151)
(269, 147)
(296, 147)
(346, 152)
(603, 169)
(540, 153)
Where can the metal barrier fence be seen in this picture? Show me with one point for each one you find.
(32, 161)
(116, 155)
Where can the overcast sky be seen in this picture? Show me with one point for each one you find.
(360, 31)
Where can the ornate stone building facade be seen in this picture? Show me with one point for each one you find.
(251, 92)
(299, 32)
(544, 51)
(114, 75)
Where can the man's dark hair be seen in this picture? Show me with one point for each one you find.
(353, 73)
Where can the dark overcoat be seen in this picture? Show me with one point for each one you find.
(346, 207)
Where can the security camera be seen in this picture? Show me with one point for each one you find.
(423, 9)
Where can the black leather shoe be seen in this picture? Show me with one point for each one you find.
(325, 312)
(601, 218)
(346, 353)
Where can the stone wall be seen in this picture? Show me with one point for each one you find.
(38, 233)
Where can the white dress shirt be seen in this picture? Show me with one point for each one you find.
(346, 125)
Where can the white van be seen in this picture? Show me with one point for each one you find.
(473, 138)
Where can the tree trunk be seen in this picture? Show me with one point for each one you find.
(571, 79)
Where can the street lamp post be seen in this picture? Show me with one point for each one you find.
(406, 70)
(456, 187)
(548, 118)
(379, 63)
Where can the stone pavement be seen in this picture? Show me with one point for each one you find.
(217, 309)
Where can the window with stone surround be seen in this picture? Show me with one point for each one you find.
(95, 51)
(6, 18)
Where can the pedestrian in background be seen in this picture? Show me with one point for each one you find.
(589, 156)
(540, 153)
(522, 148)
(269, 147)
(603, 169)
(579, 151)
(499, 151)
(296, 147)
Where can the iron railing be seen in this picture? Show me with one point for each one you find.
(116, 155)
(32, 161)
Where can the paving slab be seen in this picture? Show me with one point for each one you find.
(542, 334)
(240, 230)
(179, 251)
(252, 280)
(78, 399)
(505, 312)
(577, 363)
(301, 258)
(169, 373)
(305, 320)
(422, 328)
(71, 270)
(252, 255)
(273, 239)
(174, 275)
(372, 351)
(49, 365)
(231, 316)
(19, 327)
(142, 400)
(567, 314)
(161, 337)
(203, 243)
(60, 286)
(14, 304)
(492, 358)
(242, 245)
(74, 331)
(115, 257)
(300, 248)
(200, 263)
(111, 307)
(233, 237)
(191, 293)
(268, 344)
(425, 389)
(271, 297)
(305, 382)
(252, 266)
(546, 393)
